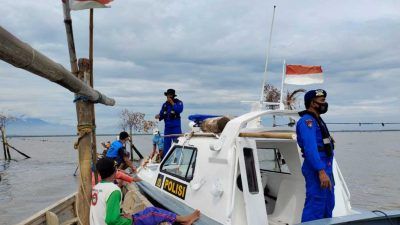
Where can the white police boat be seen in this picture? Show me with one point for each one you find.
(248, 174)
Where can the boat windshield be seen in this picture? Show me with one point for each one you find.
(180, 162)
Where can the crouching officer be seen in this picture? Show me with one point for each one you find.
(317, 147)
(170, 113)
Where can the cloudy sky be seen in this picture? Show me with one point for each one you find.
(212, 53)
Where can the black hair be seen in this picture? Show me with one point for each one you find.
(123, 135)
(105, 167)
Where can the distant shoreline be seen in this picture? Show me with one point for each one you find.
(74, 135)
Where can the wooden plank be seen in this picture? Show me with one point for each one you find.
(289, 135)
(40, 217)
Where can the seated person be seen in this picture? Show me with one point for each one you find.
(117, 152)
(106, 146)
(106, 199)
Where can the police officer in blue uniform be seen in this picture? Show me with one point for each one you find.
(170, 113)
(317, 147)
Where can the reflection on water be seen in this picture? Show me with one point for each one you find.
(368, 161)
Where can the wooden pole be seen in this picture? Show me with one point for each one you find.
(23, 154)
(131, 142)
(91, 45)
(91, 82)
(290, 135)
(74, 70)
(85, 130)
(3, 138)
(70, 38)
(6, 143)
(22, 55)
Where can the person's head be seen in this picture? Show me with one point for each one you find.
(314, 100)
(123, 136)
(156, 131)
(108, 144)
(106, 168)
(170, 93)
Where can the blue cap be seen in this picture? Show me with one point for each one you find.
(310, 95)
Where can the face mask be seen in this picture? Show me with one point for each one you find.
(322, 107)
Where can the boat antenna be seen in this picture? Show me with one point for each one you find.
(262, 96)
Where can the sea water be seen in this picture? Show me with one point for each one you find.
(369, 162)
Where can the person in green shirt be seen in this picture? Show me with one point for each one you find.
(106, 202)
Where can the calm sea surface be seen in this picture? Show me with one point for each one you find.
(369, 162)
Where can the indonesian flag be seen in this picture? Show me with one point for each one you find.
(88, 4)
(303, 75)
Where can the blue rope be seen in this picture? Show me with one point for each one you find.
(81, 98)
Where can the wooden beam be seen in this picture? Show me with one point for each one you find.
(291, 136)
(22, 55)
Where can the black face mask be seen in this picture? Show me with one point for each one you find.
(322, 107)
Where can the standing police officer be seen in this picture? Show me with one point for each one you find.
(170, 113)
(317, 147)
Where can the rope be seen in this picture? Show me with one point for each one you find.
(100, 99)
(83, 130)
(384, 214)
(81, 98)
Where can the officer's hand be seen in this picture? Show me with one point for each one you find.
(324, 179)
(157, 116)
(170, 100)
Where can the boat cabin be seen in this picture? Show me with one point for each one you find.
(248, 174)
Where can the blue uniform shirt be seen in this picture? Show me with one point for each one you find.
(171, 114)
(309, 137)
(159, 141)
(116, 151)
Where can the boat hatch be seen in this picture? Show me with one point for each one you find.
(281, 184)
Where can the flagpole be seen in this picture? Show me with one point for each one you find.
(281, 105)
(70, 37)
(267, 58)
(94, 141)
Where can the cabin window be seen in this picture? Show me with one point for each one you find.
(180, 163)
(250, 170)
(271, 159)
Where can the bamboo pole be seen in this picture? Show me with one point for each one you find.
(70, 37)
(23, 154)
(291, 136)
(85, 129)
(3, 138)
(6, 143)
(91, 82)
(22, 55)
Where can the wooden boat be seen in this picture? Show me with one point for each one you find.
(63, 212)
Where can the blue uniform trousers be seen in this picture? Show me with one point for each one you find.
(168, 140)
(153, 216)
(319, 201)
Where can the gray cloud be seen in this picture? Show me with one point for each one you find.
(212, 52)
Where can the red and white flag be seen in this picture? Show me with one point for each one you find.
(303, 75)
(88, 4)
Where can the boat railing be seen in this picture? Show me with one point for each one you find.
(265, 134)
